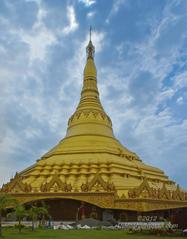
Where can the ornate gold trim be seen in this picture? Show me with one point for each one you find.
(56, 185)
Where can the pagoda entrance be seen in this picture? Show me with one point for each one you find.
(61, 209)
(70, 210)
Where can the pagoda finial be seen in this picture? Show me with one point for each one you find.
(90, 33)
(90, 49)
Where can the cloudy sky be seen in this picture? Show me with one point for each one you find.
(141, 58)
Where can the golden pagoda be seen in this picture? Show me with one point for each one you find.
(90, 165)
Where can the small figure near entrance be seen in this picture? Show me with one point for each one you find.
(49, 223)
(94, 213)
(81, 212)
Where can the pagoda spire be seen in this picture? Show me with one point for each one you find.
(90, 49)
(90, 117)
(90, 33)
(90, 69)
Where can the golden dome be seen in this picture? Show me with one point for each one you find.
(90, 164)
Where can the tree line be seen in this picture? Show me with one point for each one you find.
(19, 211)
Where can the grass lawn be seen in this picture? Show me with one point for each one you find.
(74, 234)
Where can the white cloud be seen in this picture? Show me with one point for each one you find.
(87, 3)
(180, 100)
(38, 43)
(73, 24)
(19, 101)
(90, 14)
(117, 4)
(39, 37)
(115, 8)
(180, 80)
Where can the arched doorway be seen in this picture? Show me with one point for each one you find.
(67, 209)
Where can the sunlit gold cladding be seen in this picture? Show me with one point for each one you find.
(91, 165)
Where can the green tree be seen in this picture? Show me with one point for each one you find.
(34, 212)
(20, 212)
(5, 202)
(43, 213)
